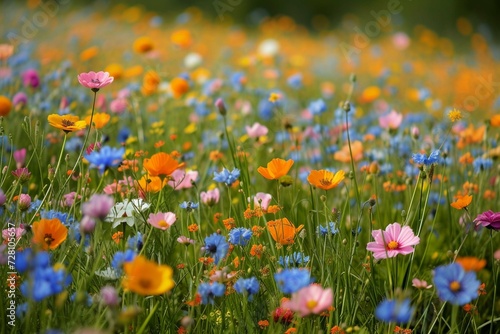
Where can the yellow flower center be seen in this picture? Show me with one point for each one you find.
(455, 286)
(311, 304)
(67, 122)
(48, 239)
(162, 223)
(392, 245)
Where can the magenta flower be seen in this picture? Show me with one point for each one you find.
(489, 219)
(3, 198)
(263, 200)
(95, 81)
(162, 220)
(210, 197)
(310, 299)
(19, 157)
(181, 179)
(22, 174)
(31, 78)
(391, 120)
(393, 241)
(98, 206)
(256, 130)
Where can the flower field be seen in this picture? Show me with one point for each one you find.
(191, 176)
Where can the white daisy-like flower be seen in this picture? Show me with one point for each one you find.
(123, 212)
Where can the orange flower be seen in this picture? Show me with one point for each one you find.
(67, 123)
(257, 250)
(276, 168)
(182, 38)
(263, 324)
(229, 223)
(143, 44)
(99, 120)
(495, 120)
(471, 263)
(462, 201)
(151, 184)
(179, 86)
(5, 106)
(117, 237)
(344, 156)
(146, 277)
(324, 179)
(193, 228)
(161, 164)
(283, 231)
(49, 233)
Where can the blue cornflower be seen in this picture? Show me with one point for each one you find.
(135, 242)
(208, 291)
(123, 134)
(240, 236)
(455, 285)
(394, 311)
(295, 260)
(249, 286)
(329, 229)
(317, 107)
(266, 109)
(295, 81)
(422, 159)
(77, 234)
(44, 282)
(481, 164)
(292, 280)
(105, 158)
(120, 258)
(64, 217)
(189, 206)
(217, 246)
(34, 205)
(226, 176)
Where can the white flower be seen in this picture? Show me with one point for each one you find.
(108, 273)
(192, 60)
(123, 212)
(268, 48)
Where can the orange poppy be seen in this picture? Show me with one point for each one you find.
(283, 231)
(67, 123)
(99, 120)
(151, 184)
(49, 233)
(161, 164)
(461, 201)
(471, 263)
(324, 179)
(276, 168)
(179, 86)
(146, 277)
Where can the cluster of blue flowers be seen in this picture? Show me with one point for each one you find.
(226, 176)
(328, 229)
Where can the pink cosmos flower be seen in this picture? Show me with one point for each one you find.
(210, 197)
(420, 284)
(256, 130)
(391, 120)
(162, 220)
(263, 200)
(393, 241)
(310, 299)
(185, 240)
(95, 81)
(181, 179)
(489, 219)
(20, 157)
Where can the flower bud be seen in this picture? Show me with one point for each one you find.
(219, 103)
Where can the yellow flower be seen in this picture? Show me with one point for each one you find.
(274, 97)
(275, 169)
(455, 115)
(143, 44)
(324, 179)
(99, 120)
(67, 123)
(146, 277)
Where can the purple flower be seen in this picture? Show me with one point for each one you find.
(489, 219)
(109, 296)
(20, 99)
(98, 206)
(30, 78)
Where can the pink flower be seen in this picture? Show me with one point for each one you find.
(185, 240)
(20, 157)
(21, 174)
(256, 130)
(69, 199)
(182, 180)
(391, 120)
(19, 233)
(87, 225)
(95, 81)
(489, 219)
(263, 200)
(210, 197)
(24, 202)
(311, 299)
(118, 106)
(162, 220)
(393, 241)
(31, 78)
(98, 206)
(222, 276)
(420, 284)
(3, 198)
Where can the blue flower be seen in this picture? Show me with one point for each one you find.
(64, 217)
(226, 176)
(422, 159)
(249, 286)
(295, 81)
(329, 229)
(295, 260)
(208, 291)
(266, 109)
(394, 311)
(21, 310)
(292, 280)
(317, 107)
(135, 242)
(189, 206)
(240, 236)
(217, 246)
(105, 158)
(481, 164)
(121, 257)
(455, 285)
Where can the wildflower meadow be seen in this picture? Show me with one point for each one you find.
(190, 175)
